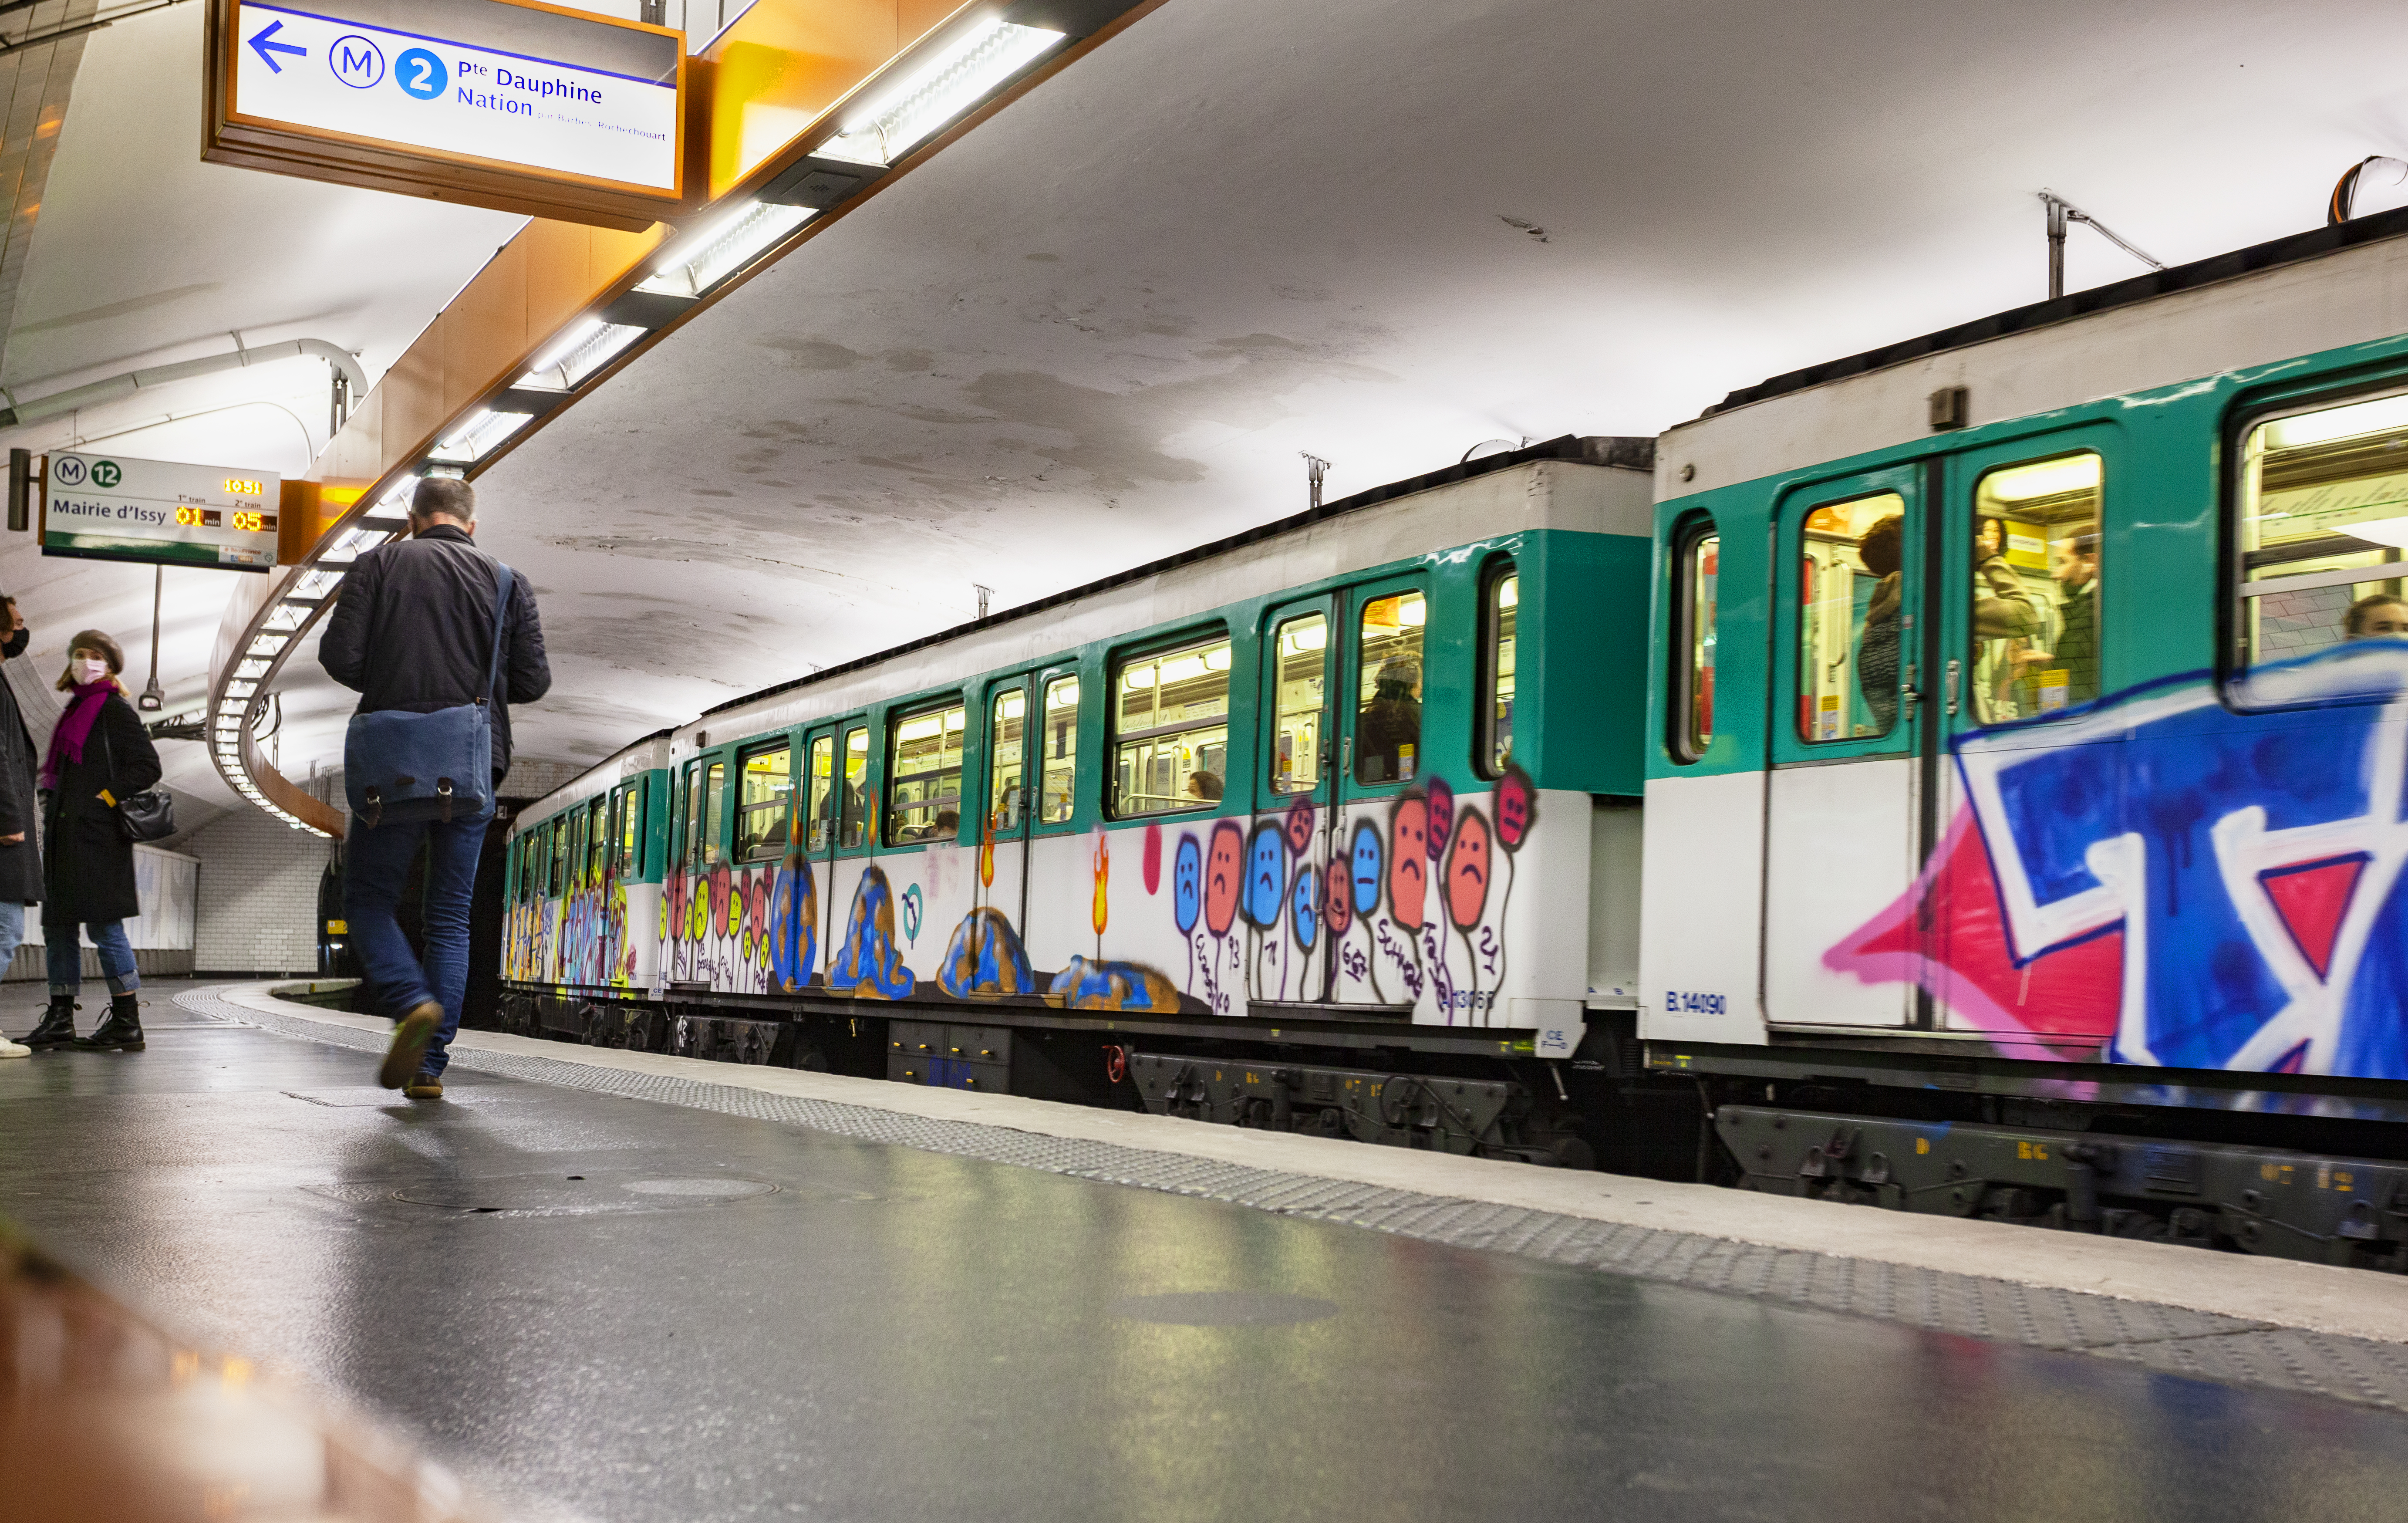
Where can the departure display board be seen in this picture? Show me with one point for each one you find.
(510, 103)
(110, 507)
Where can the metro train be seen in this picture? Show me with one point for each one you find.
(1965, 777)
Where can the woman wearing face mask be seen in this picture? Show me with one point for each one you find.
(99, 754)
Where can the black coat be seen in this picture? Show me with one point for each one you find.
(414, 629)
(91, 862)
(20, 865)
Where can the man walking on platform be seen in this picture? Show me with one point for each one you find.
(438, 639)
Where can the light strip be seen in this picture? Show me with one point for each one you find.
(588, 347)
(475, 439)
(701, 259)
(968, 67)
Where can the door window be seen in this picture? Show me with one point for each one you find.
(1171, 724)
(1388, 689)
(855, 803)
(1301, 661)
(762, 826)
(1007, 760)
(1696, 569)
(823, 790)
(2036, 589)
(714, 816)
(631, 830)
(1057, 788)
(1852, 599)
(1501, 612)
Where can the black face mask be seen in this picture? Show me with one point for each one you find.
(15, 644)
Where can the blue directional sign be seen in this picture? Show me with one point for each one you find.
(265, 45)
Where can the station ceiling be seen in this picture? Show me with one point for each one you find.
(1104, 325)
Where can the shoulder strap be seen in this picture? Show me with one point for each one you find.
(501, 626)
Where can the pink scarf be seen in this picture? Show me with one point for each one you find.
(74, 727)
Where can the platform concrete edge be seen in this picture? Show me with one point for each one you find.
(2281, 1293)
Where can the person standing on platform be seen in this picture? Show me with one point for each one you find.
(415, 632)
(21, 841)
(99, 754)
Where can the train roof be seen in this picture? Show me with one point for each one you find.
(2224, 266)
(1634, 453)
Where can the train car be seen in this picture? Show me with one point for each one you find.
(582, 897)
(2024, 766)
(1282, 830)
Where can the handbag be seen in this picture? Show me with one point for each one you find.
(408, 766)
(148, 815)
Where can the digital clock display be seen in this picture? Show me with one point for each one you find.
(210, 518)
(240, 486)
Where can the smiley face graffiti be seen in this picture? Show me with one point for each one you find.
(1365, 860)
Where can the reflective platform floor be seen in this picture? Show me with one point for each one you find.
(591, 1305)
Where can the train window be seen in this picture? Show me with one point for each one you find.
(1007, 741)
(689, 816)
(1852, 590)
(1170, 729)
(2035, 594)
(1696, 569)
(1501, 612)
(823, 788)
(555, 856)
(762, 828)
(612, 834)
(712, 816)
(924, 777)
(1388, 689)
(2323, 506)
(631, 831)
(1302, 663)
(597, 841)
(572, 851)
(1059, 753)
(856, 789)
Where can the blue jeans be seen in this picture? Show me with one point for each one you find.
(66, 959)
(376, 866)
(12, 933)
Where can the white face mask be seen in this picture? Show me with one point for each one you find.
(88, 670)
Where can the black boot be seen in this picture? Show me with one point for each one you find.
(57, 1025)
(121, 1032)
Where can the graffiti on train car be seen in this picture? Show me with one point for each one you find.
(2197, 886)
(1390, 903)
(580, 938)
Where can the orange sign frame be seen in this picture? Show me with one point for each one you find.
(229, 136)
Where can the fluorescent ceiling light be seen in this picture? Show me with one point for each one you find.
(2045, 479)
(250, 668)
(961, 73)
(701, 259)
(2383, 412)
(267, 645)
(313, 585)
(483, 430)
(585, 348)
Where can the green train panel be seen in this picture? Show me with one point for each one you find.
(1351, 770)
(584, 884)
(2079, 732)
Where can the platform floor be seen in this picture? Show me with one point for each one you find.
(591, 1304)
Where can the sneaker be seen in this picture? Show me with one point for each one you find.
(425, 1086)
(14, 1049)
(411, 1035)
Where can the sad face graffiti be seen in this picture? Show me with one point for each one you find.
(1187, 885)
(1467, 870)
(1342, 896)
(1408, 861)
(1266, 874)
(1366, 860)
(1224, 873)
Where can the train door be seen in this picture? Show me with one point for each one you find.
(1004, 828)
(1845, 809)
(1298, 770)
(856, 829)
(1387, 962)
(1056, 891)
(2020, 625)
(816, 835)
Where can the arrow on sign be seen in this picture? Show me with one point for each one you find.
(267, 51)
